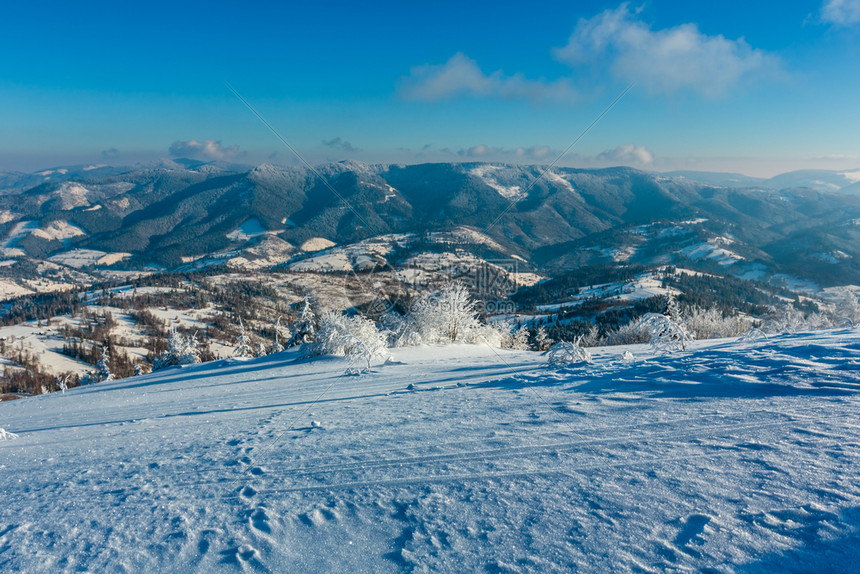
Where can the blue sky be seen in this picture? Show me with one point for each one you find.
(758, 88)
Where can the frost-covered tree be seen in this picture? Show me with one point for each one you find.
(667, 335)
(566, 353)
(304, 328)
(103, 367)
(517, 338)
(632, 333)
(848, 310)
(392, 324)
(181, 350)
(520, 340)
(354, 337)
(671, 308)
(786, 319)
(261, 350)
(277, 347)
(542, 340)
(446, 317)
(243, 343)
(711, 324)
(591, 338)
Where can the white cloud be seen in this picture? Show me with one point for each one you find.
(628, 154)
(494, 153)
(664, 61)
(481, 151)
(341, 144)
(535, 152)
(842, 12)
(460, 76)
(206, 149)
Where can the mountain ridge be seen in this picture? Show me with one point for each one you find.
(168, 214)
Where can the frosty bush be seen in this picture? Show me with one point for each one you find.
(632, 333)
(566, 353)
(848, 310)
(786, 319)
(591, 338)
(354, 337)
(752, 335)
(710, 323)
(542, 340)
(446, 317)
(513, 338)
(181, 350)
(667, 335)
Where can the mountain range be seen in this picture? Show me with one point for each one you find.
(803, 224)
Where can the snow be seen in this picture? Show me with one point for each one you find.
(72, 195)
(9, 289)
(457, 459)
(317, 244)
(361, 256)
(712, 250)
(559, 180)
(484, 173)
(18, 231)
(641, 287)
(249, 229)
(59, 230)
(465, 235)
(6, 216)
(79, 258)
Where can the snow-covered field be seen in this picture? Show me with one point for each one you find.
(731, 457)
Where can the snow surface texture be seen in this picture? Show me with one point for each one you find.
(729, 457)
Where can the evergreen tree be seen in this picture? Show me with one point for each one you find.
(103, 367)
(243, 343)
(304, 328)
(277, 347)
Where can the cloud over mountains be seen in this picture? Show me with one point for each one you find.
(206, 149)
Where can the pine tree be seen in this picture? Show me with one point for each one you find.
(103, 367)
(671, 308)
(304, 329)
(277, 347)
(180, 350)
(243, 343)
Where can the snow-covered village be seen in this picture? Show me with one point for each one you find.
(430, 288)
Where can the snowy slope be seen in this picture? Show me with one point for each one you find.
(455, 459)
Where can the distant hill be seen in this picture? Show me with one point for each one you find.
(169, 213)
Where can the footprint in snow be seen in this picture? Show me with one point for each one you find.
(692, 529)
(239, 554)
(259, 520)
(319, 516)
